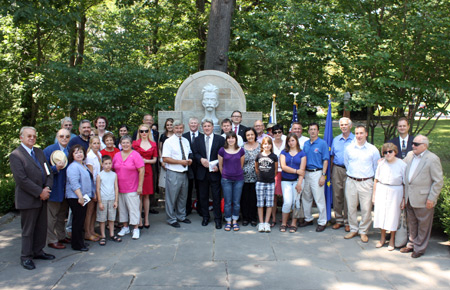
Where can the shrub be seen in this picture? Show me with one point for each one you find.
(7, 187)
(442, 212)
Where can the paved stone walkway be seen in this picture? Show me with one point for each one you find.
(196, 257)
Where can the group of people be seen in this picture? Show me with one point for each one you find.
(93, 178)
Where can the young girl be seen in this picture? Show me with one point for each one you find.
(266, 166)
(93, 163)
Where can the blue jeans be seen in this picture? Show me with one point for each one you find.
(232, 190)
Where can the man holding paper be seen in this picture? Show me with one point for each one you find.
(205, 152)
(33, 186)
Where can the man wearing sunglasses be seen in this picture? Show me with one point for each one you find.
(57, 206)
(403, 141)
(424, 181)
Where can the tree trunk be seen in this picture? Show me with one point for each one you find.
(219, 35)
(201, 33)
(81, 38)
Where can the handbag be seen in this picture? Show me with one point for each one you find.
(401, 236)
(297, 211)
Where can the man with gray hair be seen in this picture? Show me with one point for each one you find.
(83, 138)
(339, 174)
(33, 186)
(206, 150)
(424, 181)
(66, 123)
(177, 155)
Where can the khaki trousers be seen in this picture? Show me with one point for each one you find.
(359, 192)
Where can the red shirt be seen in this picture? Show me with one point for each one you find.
(104, 152)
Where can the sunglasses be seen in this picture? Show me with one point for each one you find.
(416, 144)
(278, 132)
(64, 136)
(143, 131)
(386, 152)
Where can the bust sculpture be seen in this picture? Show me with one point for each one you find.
(210, 102)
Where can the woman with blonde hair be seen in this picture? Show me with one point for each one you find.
(93, 161)
(388, 194)
(145, 146)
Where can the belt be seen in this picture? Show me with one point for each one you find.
(313, 170)
(342, 166)
(390, 184)
(360, 179)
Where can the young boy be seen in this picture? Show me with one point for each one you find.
(108, 196)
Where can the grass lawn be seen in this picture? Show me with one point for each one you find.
(439, 141)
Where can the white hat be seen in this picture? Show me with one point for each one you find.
(58, 156)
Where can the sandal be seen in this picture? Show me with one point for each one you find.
(93, 238)
(283, 228)
(115, 239)
(272, 224)
(293, 229)
(236, 227)
(227, 227)
(102, 242)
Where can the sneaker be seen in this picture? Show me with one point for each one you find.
(136, 234)
(261, 227)
(267, 227)
(124, 231)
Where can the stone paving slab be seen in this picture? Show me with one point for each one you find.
(197, 257)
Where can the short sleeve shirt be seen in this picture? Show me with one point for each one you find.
(266, 167)
(293, 162)
(127, 171)
(231, 168)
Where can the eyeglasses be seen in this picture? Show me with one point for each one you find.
(236, 116)
(416, 144)
(143, 131)
(386, 152)
(64, 136)
(278, 132)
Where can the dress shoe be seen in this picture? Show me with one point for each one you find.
(320, 228)
(416, 255)
(65, 241)
(186, 221)
(57, 246)
(245, 223)
(28, 264)
(305, 224)
(350, 235)
(347, 229)
(153, 211)
(83, 249)
(44, 256)
(364, 238)
(205, 222)
(337, 226)
(175, 225)
(218, 225)
(406, 250)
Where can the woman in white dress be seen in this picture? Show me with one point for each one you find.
(279, 143)
(388, 194)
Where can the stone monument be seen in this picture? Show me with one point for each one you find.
(209, 94)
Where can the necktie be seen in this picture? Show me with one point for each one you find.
(193, 138)
(38, 164)
(235, 129)
(207, 147)
(66, 152)
(403, 149)
(183, 157)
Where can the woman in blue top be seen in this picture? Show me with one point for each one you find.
(231, 161)
(79, 182)
(293, 165)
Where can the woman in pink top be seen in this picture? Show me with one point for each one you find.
(130, 171)
(147, 148)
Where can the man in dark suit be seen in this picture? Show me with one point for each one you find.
(57, 206)
(423, 183)
(236, 118)
(191, 135)
(205, 150)
(403, 141)
(33, 186)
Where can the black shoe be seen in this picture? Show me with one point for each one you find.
(305, 224)
(245, 223)
(83, 249)
(28, 264)
(320, 228)
(205, 222)
(254, 224)
(175, 225)
(44, 256)
(218, 225)
(186, 221)
(140, 227)
(153, 211)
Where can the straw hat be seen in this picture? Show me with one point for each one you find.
(58, 156)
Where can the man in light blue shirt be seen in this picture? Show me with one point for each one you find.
(317, 156)
(339, 173)
(360, 159)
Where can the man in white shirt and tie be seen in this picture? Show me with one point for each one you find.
(404, 140)
(236, 119)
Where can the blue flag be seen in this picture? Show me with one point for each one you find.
(294, 115)
(328, 137)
